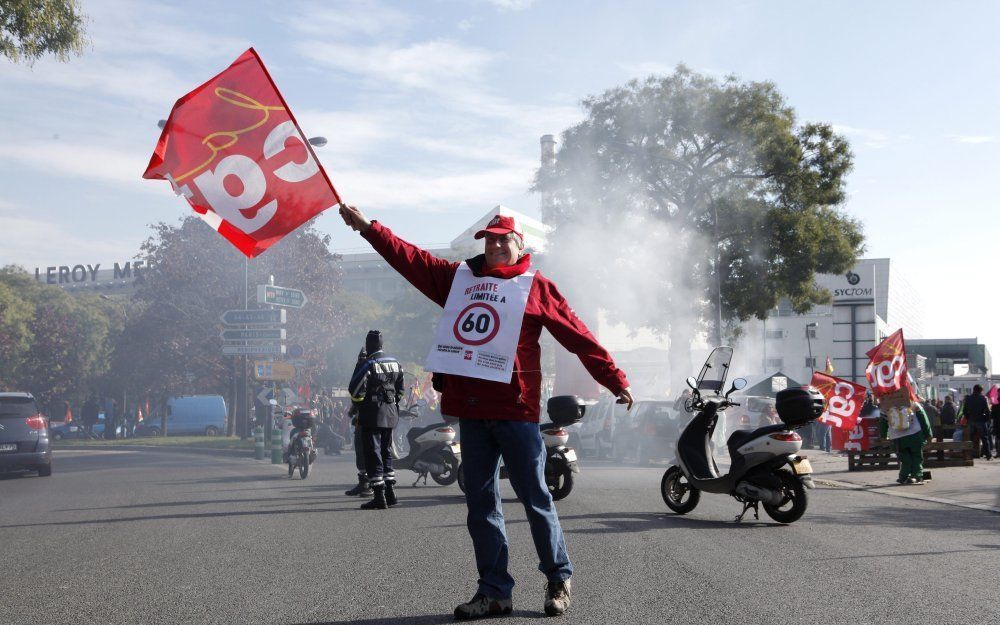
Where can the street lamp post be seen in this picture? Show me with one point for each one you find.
(812, 363)
(124, 389)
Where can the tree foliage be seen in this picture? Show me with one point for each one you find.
(54, 345)
(172, 342)
(745, 195)
(30, 29)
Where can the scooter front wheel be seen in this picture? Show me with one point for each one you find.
(678, 493)
(793, 501)
(303, 466)
(461, 478)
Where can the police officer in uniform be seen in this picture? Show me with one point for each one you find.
(376, 389)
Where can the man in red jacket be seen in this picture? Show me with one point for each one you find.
(499, 414)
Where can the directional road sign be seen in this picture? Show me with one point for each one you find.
(253, 334)
(264, 394)
(264, 349)
(253, 317)
(270, 370)
(280, 296)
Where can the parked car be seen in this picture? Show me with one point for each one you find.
(754, 412)
(648, 432)
(24, 435)
(594, 435)
(190, 415)
(74, 430)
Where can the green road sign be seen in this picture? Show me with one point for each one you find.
(280, 296)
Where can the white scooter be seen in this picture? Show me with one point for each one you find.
(766, 468)
(432, 450)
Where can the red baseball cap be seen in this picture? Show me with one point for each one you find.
(500, 224)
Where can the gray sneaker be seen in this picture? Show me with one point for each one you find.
(557, 596)
(481, 606)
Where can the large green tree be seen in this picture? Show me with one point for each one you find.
(709, 192)
(30, 29)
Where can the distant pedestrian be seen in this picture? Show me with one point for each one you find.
(909, 430)
(825, 435)
(89, 414)
(976, 409)
(948, 412)
(995, 414)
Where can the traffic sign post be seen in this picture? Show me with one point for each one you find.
(247, 349)
(270, 370)
(280, 296)
(253, 334)
(253, 317)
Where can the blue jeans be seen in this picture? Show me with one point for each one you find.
(825, 436)
(484, 442)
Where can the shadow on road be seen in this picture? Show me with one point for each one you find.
(935, 517)
(908, 554)
(423, 619)
(625, 522)
(337, 504)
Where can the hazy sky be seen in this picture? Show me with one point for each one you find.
(433, 111)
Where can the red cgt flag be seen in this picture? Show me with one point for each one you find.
(233, 149)
(843, 400)
(886, 371)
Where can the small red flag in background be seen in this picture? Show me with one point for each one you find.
(886, 371)
(233, 149)
(843, 400)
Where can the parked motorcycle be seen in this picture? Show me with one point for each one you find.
(560, 460)
(766, 468)
(432, 449)
(301, 447)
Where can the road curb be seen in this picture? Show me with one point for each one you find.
(235, 453)
(892, 491)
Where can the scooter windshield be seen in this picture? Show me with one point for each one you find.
(716, 368)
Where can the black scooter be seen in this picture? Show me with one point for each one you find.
(560, 460)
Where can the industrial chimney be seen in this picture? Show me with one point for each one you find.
(548, 161)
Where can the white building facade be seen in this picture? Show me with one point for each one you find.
(869, 302)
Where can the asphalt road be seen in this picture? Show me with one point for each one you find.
(167, 537)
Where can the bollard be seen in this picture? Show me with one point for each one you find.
(275, 446)
(258, 442)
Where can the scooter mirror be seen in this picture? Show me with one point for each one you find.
(693, 383)
(738, 384)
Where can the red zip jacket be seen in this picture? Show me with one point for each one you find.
(472, 398)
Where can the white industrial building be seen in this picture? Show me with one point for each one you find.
(869, 302)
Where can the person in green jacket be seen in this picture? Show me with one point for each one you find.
(909, 430)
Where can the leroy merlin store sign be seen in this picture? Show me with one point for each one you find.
(69, 274)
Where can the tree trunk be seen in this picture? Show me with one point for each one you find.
(679, 354)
